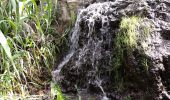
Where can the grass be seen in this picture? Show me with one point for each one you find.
(29, 46)
(125, 43)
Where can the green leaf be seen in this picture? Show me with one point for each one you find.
(13, 2)
(56, 91)
(3, 42)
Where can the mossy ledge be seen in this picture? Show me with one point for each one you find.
(125, 44)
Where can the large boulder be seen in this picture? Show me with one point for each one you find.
(90, 63)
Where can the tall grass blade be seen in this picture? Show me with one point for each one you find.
(3, 42)
(13, 2)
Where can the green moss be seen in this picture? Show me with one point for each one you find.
(128, 32)
(125, 43)
(144, 63)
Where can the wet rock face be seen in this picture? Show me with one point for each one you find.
(89, 63)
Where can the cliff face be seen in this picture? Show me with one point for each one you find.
(119, 48)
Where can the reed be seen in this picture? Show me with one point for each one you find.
(28, 46)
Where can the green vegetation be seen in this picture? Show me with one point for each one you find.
(56, 92)
(128, 98)
(29, 45)
(125, 43)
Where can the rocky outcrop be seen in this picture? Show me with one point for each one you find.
(90, 61)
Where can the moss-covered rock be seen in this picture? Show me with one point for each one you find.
(114, 53)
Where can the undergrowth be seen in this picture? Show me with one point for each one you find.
(29, 45)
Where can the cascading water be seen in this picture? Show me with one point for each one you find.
(89, 63)
(104, 94)
(74, 39)
(90, 47)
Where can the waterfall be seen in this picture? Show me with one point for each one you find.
(87, 45)
(89, 66)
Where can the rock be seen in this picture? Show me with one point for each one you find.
(93, 52)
